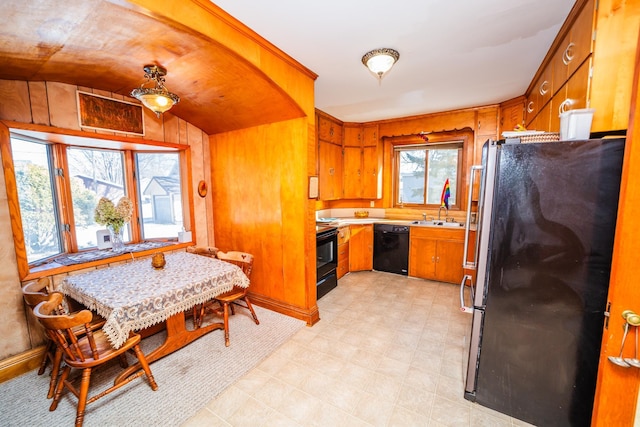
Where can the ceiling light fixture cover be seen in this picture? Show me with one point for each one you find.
(157, 98)
(380, 61)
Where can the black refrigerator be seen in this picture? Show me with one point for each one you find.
(546, 223)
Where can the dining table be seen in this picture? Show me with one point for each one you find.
(135, 296)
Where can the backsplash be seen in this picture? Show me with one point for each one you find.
(401, 214)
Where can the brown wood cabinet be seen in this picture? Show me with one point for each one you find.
(344, 235)
(570, 52)
(329, 130)
(436, 254)
(588, 65)
(572, 95)
(330, 171)
(352, 173)
(511, 114)
(575, 47)
(361, 247)
(352, 135)
(329, 158)
(362, 163)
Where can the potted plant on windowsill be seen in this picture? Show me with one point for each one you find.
(114, 217)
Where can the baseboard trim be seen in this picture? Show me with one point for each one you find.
(21, 363)
(311, 316)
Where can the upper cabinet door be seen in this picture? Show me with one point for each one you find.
(575, 47)
(353, 136)
(330, 171)
(329, 131)
(352, 162)
(371, 137)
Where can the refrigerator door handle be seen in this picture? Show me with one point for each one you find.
(463, 307)
(467, 224)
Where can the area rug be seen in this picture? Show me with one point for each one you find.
(187, 379)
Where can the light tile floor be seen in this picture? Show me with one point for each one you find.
(388, 351)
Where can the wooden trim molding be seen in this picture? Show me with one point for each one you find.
(12, 200)
(21, 363)
(312, 316)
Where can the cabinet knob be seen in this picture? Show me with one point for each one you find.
(565, 105)
(530, 107)
(568, 54)
(544, 88)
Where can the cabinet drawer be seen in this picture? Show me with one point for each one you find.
(344, 233)
(343, 253)
(343, 268)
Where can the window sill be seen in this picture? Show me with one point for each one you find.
(53, 267)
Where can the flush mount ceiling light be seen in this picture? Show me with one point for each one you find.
(157, 98)
(380, 61)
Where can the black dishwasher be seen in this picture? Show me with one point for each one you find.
(391, 248)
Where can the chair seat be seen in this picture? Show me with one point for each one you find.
(231, 295)
(103, 348)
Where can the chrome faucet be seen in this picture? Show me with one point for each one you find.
(424, 216)
(446, 212)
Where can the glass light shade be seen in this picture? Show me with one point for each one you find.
(380, 61)
(158, 99)
(380, 64)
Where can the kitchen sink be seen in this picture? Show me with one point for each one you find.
(437, 223)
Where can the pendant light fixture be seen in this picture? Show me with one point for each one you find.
(380, 61)
(157, 98)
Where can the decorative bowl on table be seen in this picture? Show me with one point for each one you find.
(158, 261)
(361, 214)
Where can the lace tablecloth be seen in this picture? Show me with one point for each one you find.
(135, 295)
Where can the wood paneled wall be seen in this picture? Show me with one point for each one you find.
(260, 178)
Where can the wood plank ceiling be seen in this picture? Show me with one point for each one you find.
(102, 45)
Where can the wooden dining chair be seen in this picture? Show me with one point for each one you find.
(85, 352)
(209, 251)
(199, 309)
(236, 296)
(33, 293)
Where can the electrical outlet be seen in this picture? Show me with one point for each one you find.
(371, 203)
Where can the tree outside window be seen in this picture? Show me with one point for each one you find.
(93, 174)
(36, 195)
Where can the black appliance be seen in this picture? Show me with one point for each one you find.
(326, 259)
(547, 214)
(391, 248)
